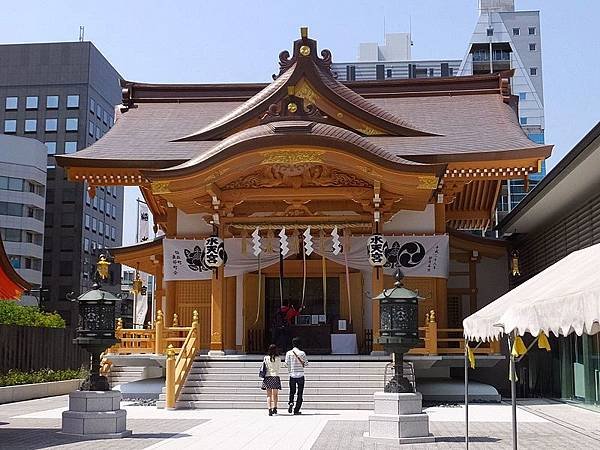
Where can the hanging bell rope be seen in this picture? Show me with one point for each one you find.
(345, 250)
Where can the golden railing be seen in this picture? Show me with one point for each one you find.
(448, 341)
(178, 367)
(154, 340)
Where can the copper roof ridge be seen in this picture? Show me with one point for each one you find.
(304, 64)
(320, 134)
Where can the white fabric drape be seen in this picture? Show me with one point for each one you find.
(176, 266)
(425, 256)
(562, 299)
(428, 257)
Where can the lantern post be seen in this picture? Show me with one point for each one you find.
(398, 417)
(95, 411)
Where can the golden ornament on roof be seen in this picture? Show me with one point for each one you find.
(305, 50)
(292, 107)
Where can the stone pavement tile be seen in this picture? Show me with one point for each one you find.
(31, 406)
(33, 434)
(450, 435)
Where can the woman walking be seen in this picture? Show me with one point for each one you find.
(271, 382)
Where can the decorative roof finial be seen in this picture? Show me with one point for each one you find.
(304, 32)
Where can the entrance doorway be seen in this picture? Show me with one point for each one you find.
(314, 325)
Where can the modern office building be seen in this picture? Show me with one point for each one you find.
(22, 204)
(506, 39)
(512, 38)
(64, 94)
(392, 61)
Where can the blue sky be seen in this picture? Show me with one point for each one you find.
(230, 41)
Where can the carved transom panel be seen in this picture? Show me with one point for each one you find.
(297, 175)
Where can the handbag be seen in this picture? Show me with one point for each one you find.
(263, 370)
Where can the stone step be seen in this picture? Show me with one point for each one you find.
(260, 396)
(311, 369)
(323, 364)
(284, 382)
(309, 376)
(253, 390)
(282, 407)
(127, 369)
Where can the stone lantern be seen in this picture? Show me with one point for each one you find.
(95, 411)
(398, 328)
(398, 417)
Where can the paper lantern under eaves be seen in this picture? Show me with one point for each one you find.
(376, 249)
(214, 252)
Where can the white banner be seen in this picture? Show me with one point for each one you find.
(141, 303)
(183, 259)
(417, 256)
(143, 222)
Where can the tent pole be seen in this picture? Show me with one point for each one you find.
(513, 393)
(466, 396)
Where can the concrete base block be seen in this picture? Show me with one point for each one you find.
(399, 419)
(399, 441)
(95, 415)
(212, 353)
(409, 403)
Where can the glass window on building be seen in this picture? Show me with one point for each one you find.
(51, 147)
(522, 96)
(99, 110)
(533, 71)
(31, 102)
(114, 211)
(52, 102)
(70, 147)
(88, 219)
(11, 103)
(51, 125)
(86, 245)
(101, 205)
(98, 132)
(72, 101)
(30, 125)
(91, 128)
(10, 126)
(113, 233)
(516, 31)
(72, 124)
(532, 47)
(95, 202)
(100, 227)
(105, 118)
(92, 105)
(490, 31)
(523, 120)
(94, 224)
(15, 184)
(531, 31)
(11, 234)
(15, 261)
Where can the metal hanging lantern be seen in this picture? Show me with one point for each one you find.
(514, 263)
(398, 328)
(377, 247)
(214, 252)
(96, 330)
(102, 267)
(137, 284)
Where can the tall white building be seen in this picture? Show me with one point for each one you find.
(22, 205)
(505, 39)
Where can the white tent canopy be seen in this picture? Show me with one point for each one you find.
(562, 299)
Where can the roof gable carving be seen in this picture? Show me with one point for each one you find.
(306, 89)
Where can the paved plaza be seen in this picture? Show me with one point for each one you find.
(35, 424)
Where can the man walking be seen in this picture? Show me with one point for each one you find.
(296, 361)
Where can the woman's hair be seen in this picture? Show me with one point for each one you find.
(273, 352)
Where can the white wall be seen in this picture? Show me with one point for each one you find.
(191, 225)
(412, 222)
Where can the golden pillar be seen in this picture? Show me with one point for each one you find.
(216, 311)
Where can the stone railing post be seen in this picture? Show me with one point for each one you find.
(170, 378)
(175, 320)
(196, 325)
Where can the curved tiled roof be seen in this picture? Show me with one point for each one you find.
(282, 133)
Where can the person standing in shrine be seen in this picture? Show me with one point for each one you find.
(296, 361)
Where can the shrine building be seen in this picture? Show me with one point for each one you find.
(294, 177)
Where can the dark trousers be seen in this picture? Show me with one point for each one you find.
(296, 382)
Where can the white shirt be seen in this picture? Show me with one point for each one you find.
(272, 366)
(295, 368)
